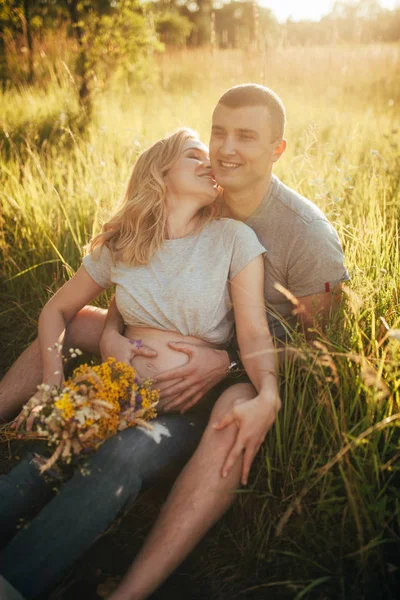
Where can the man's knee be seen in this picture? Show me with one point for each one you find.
(85, 329)
(227, 400)
(220, 441)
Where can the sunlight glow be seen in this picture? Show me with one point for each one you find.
(308, 9)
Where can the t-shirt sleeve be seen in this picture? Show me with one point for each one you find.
(316, 262)
(98, 264)
(244, 246)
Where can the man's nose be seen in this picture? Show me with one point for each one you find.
(228, 146)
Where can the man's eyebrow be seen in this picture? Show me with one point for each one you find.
(238, 130)
(243, 130)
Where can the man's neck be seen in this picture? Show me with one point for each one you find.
(241, 204)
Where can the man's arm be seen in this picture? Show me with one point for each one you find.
(316, 311)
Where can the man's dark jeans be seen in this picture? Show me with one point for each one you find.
(70, 522)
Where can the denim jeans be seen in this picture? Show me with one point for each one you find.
(70, 522)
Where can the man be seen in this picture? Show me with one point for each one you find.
(304, 256)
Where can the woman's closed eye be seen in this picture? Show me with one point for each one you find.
(199, 157)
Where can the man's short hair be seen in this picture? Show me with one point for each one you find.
(253, 94)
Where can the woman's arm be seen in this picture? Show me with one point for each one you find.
(253, 417)
(257, 351)
(59, 310)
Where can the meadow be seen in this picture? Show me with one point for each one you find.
(320, 517)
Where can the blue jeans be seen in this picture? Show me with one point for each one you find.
(70, 522)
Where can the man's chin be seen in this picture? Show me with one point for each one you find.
(232, 185)
(227, 180)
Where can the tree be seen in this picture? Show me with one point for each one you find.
(109, 34)
(27, 10)
(239, 24)
(4, 21)
(173, 28)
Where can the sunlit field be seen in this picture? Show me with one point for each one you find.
(320, 517)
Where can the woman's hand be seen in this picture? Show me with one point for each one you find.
(113, 344)
(206, 367)
(254, 419)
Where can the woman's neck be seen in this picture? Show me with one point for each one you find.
(182, 220)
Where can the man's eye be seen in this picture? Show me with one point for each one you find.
(245, 136)
(217, 133)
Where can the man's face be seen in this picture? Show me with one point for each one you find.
(241, 146)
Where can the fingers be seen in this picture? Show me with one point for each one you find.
(186, 395)
(233, 455)
(192, 402)
(228, 419)
(145, 351)
(31, 418)
(182, 347)
(176, 388)
(178, 373)
(18, 421)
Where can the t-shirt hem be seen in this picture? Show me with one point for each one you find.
(320, 289)
(240, 268)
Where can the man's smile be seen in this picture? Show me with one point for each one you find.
(229, 165)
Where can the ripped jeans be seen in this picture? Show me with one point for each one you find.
(70, 522)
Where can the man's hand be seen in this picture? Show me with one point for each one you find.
(121, 348)
(253, 418)
(206, 368)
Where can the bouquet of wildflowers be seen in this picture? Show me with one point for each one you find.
(91, 406)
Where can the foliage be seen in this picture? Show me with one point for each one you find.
(327, 478)
(173, 28)
(120, 37)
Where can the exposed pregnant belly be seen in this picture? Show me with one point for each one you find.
(166, 359)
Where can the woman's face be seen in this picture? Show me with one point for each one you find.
(191, 178)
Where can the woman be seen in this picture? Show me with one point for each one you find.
(178, 272)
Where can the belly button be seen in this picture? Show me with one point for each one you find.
(151, 366)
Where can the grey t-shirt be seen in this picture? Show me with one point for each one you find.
(185, 287)
(304, 253)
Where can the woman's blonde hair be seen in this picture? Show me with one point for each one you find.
(138, 227)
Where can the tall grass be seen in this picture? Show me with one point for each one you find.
(320, 517)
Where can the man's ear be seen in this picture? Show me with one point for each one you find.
(280, 147)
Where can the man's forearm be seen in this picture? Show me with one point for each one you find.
(316, 311)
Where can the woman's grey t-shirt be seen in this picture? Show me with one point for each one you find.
(185, 287)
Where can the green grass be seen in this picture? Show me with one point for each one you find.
(320, 518)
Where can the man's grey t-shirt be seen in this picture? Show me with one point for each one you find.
(304, 254)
